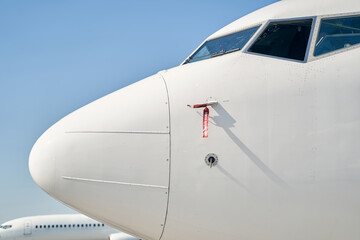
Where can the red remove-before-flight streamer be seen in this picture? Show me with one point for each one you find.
(205, 118)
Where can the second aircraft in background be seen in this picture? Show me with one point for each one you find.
(59, 227)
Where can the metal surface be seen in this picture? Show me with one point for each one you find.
(287, 133)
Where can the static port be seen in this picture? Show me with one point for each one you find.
(211, 159)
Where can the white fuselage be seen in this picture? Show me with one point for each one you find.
(56, 227)
(286, 134)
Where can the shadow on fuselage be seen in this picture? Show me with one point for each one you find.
(226, 122)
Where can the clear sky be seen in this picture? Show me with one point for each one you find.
(56, 56)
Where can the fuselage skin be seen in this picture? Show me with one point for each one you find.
(286, 134)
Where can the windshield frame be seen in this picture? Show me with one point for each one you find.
(309, 44)
(258, 25)
(335, 52)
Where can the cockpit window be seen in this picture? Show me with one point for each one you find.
(285, 39)
(223, 45)
(5, 226)
(337, 33)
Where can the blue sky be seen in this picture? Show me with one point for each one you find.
(56, 56)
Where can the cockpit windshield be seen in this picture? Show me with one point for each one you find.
(5, 226)
(223, 45)
(337, 33)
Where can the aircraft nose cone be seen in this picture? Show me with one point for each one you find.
(42, 161)
(110, 159)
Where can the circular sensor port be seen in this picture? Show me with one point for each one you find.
(211, 159)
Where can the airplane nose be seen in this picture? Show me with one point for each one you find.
(42, 161)
(119, 144)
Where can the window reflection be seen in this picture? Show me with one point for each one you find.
(223, 45)
(5, 226)
(285, 39)
(337, 33)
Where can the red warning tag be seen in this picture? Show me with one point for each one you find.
(205, 115)
(206, 123)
